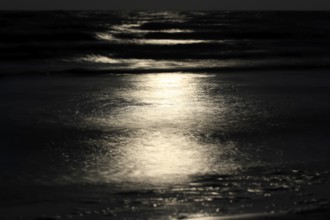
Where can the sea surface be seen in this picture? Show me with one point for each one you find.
(153, 100)
(162, 41)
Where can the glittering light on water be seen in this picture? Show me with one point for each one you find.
(100, 59)
(133, 63)
(111, 38)
(160, 143)
(170, 41)
(135, 28)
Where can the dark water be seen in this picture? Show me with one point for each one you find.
(198, 94)
(146, 41)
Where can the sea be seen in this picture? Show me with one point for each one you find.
(144, 100)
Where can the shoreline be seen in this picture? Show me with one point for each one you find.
(277, 194)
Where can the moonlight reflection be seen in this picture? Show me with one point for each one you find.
(167, 116)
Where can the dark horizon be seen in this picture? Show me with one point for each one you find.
(157, 10)
(183, 5)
